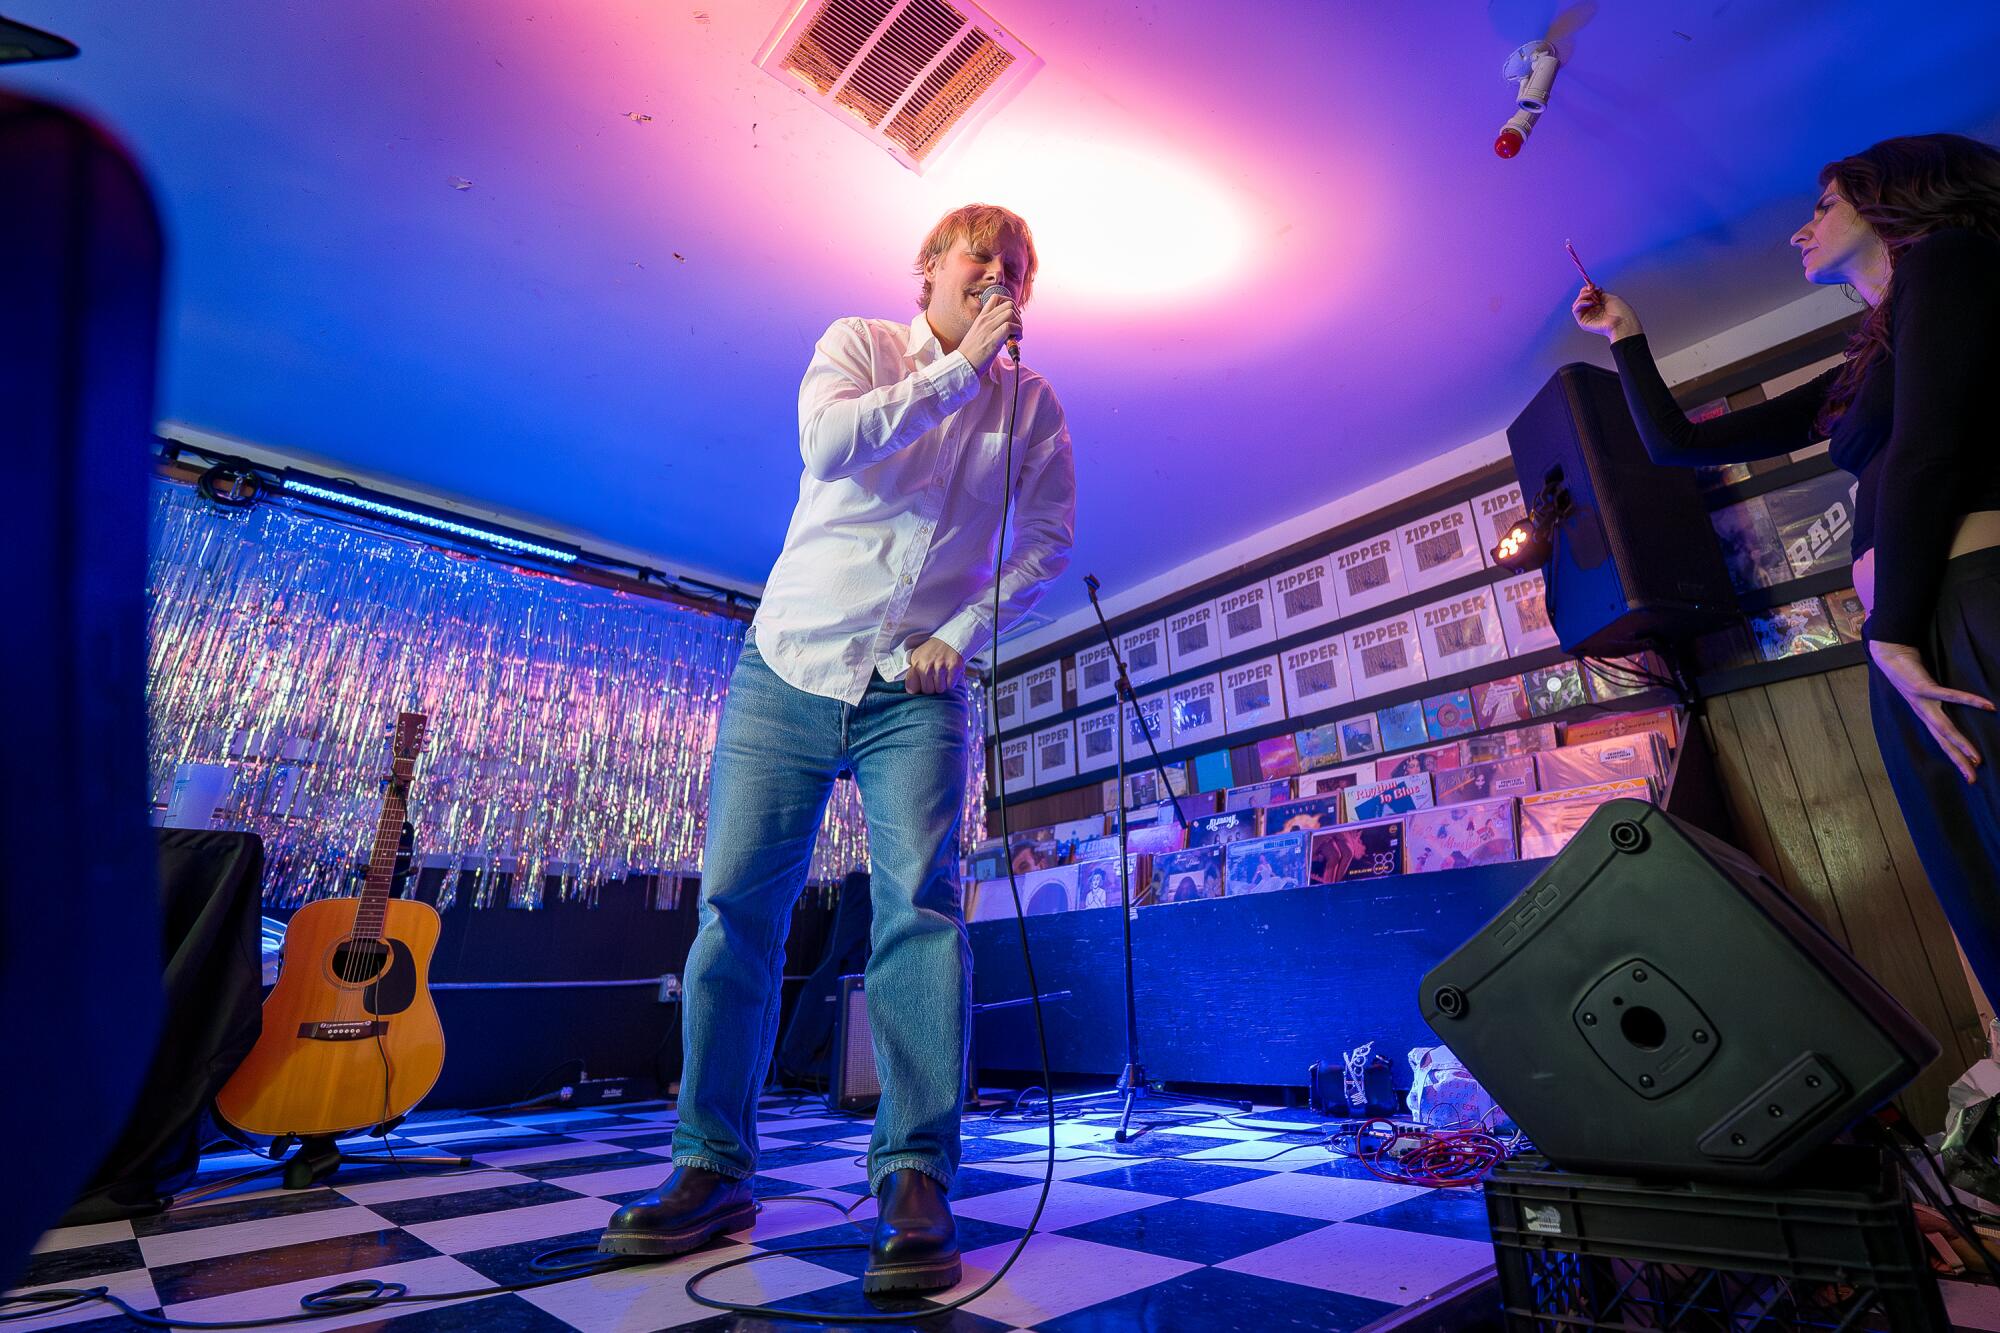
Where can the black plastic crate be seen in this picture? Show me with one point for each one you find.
(1836, 1248)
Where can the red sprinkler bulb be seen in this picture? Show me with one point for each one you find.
(1509, 142)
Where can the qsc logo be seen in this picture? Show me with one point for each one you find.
(1527, 916)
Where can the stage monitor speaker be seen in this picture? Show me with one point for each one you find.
(1653, 1005)
(855, 1085)
(1636, 562)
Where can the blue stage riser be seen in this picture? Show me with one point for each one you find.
(1248, 990)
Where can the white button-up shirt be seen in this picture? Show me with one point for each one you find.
(898, 521)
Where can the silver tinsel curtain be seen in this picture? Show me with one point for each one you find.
(571, 726)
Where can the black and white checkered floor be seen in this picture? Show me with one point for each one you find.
(1242, 1222)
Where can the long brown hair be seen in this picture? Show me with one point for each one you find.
(1906, 189)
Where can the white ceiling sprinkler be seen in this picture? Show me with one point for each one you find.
(1532, 69)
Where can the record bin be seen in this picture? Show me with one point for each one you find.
(1837, 1248)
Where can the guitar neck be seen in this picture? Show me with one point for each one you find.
(374, 907)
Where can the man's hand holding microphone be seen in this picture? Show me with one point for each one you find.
(997, 325)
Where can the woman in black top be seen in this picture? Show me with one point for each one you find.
(1913, 225)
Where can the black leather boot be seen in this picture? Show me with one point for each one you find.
(916, 1242)
(693, 1205)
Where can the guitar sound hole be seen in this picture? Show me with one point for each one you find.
(360, 960)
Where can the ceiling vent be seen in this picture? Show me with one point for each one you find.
(912, 76)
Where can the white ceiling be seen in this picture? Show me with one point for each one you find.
(1280, 259)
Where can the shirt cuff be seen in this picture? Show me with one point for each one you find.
(965, 633)
(952, 380)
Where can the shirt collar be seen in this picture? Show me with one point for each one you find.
(923, 337)
(921, 334)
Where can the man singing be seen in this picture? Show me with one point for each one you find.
(856, 663)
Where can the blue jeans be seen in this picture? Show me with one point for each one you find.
(776, 757)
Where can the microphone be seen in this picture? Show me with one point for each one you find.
(1013, 344)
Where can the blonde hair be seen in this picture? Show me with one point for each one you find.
(979, 225)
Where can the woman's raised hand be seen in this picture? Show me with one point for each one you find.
(1600, 312)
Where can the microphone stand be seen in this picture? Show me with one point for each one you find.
(1132, 1082)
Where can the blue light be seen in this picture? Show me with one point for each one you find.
(424, 519)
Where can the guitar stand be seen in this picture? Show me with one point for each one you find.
(317, 1158)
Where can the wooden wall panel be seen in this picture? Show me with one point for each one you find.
(1812, 805)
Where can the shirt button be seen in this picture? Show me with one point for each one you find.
(906, 580)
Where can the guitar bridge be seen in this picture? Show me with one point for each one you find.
(353, 1029)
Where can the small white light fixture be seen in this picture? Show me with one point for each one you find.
(1532, 69)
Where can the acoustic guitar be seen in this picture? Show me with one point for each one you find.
(351, 1038)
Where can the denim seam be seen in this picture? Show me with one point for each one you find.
(709, 1164)
(905, 1162)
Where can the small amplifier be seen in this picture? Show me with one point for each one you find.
(854, 1084)
(598, 1091)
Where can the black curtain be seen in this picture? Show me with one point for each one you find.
(210, 895)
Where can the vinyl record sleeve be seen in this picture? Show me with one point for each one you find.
(1794, 629)
(1257, 795)
(1843, 607)
(1551, 689)
(1450, 714)
(1360, 736)
(1278, 757)
(1212, 771)
(1252, 695)
(1017, 761)
(1478, 833)
(1524, 618)
(1497, 511)
(1440, 547)
(1349, 852)
(1096, 675)
(1665, 721)
(1006, 707)
(1310, 812)
(1369, 573)
(1145, 652)
(1497, 703)
(1193, 638)
(1316, 676)
(1050, 890)
(1461, 633)
(1319, 747)
(1432, 759)
(1386, 655)
(1097, 741)
(1750, 546)
(1041, 692)
(1330, 781)
(1225, 827)
(1194, 712)
(1244, 617)
(1186, 876)
(1097, 882)
(1815, 521)
(1491, 779)
(1402, 725)
(1506, 744)
(1055, 752)
(1265, 865)
(1550, 819)
(1303, 597)
(1612, 759)
(1397, 796)
(1153, 707)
